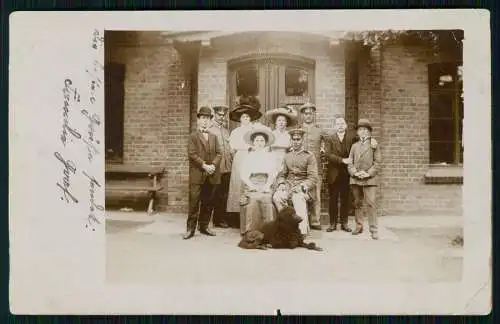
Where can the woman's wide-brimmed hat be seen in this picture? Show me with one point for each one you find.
(288, 112)
(236, 113)
(363, 122)
(250, 135)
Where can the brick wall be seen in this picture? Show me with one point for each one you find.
(157, 105)
(398, 106)
(162, 94)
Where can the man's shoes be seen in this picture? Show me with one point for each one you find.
(375, 236)
(206, 231)
(345, 228)
(316, 227)
(358, 231)
(189, 234)
(332, 228)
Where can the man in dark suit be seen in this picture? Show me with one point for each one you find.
(337, 152)
(204, 175)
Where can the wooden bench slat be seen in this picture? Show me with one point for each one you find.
(136, 188)
(154, 173)
(128, 168)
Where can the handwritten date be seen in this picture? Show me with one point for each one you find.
(97, 40)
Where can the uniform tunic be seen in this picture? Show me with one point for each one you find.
(300, 169)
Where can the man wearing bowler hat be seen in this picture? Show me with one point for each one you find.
(363, 167)
(314, 139)
(204, 175)
(219, 129)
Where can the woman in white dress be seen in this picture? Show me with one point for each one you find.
(245, 115)
(281, 118)
(258, 173)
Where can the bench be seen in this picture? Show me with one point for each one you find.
(152, 187)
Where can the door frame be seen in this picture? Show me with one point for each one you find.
(270, 67)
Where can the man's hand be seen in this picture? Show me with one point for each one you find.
(373, 143)
(211, 168)
(346, 161)
(363, 174)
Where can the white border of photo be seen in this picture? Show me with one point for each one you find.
(57, 246)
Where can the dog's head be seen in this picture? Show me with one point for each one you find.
(253, 237)
(288, 217)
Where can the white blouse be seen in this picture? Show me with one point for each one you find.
(282, 139)
(261, 161)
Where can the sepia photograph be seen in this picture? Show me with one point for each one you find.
(293, 162)
(338, 155)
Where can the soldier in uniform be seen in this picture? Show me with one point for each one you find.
(219, 129)
(297, 179)
(314, 139)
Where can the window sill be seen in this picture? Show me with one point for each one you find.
(444, 174)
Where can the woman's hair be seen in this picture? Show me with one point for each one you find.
(254, 135)
(284, 116)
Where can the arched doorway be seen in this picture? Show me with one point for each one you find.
(273, 79)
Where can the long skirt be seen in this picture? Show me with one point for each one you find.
(256, 207)
(235, 188)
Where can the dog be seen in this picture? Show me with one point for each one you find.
(281, 233)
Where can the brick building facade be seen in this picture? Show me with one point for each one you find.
(166, 76)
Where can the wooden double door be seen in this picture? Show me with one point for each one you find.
(274, 81)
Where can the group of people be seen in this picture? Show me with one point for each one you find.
(256, 171)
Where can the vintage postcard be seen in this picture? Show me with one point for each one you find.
(311, 162)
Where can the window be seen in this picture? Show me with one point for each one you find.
(446, 113)
(113, 115)
(247, 81)
(296, 81)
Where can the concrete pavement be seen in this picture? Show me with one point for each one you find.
(150, 249)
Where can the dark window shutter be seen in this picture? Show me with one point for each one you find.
(114, 110)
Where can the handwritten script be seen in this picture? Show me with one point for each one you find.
(71, 97)
(79, 108)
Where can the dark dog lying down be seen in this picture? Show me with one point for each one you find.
(282, 233)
